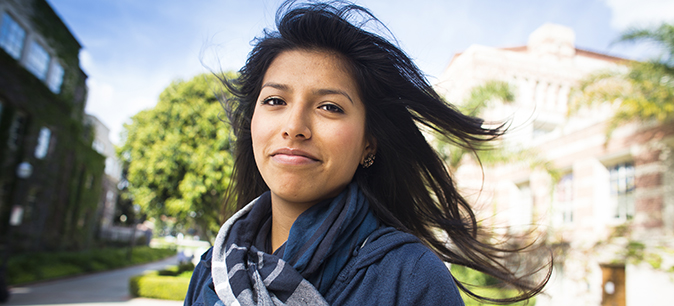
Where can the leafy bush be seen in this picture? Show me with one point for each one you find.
(159, 287)
(494, 293)
(483, 285)
(470, 276)
(31, 267)
(133, 284)
(168, 284)
(22, 278)
(60, 270)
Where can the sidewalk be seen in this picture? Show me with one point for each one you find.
(99, 289)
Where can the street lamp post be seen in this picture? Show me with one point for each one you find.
(132, 242)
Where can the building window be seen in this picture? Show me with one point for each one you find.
(521, 210)
(55, 78)
(538, 132)
(37, 61)
(30, 208)
(12, 36)
(16, 131)
(622, 190)
(43, 143)
(564, 199)
(98, 146)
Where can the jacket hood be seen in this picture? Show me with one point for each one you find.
(380, 242)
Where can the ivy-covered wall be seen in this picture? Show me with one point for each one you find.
(66, 47)
(60, 198)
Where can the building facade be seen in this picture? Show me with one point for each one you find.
(112, 173)
(50, 177)
(603, 203)
(112, 230)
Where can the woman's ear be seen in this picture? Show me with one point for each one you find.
(370, 148)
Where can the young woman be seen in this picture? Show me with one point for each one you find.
(341, 199)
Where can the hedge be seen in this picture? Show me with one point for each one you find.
(168, 284)
(484, 285)
(494, 293)
(31, 267)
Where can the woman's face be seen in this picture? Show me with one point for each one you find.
(308, 127)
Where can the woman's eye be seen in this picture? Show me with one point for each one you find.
(273, 101)
(332, 108)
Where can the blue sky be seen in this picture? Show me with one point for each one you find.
(133, 49)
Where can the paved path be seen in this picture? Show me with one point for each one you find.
(99, 289)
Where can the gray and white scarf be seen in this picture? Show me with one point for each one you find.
(318, 247)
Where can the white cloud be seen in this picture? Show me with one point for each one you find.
(100, 94)
(640, 13)
(126, 94)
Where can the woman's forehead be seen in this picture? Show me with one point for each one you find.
(320, 69)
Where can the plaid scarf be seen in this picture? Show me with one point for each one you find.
(320, 244)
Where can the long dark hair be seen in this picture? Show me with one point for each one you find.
(409, 187)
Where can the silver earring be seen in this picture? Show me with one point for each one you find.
(368, 161)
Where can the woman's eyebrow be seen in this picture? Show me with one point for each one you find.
(322, 92)
(276, 85)
(327, 91)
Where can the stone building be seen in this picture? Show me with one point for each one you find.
(112, 174)
(603, 203)
(113, 231)
(50, 177)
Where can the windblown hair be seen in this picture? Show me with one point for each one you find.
(409, 186)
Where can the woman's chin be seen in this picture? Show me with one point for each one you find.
(303, 195)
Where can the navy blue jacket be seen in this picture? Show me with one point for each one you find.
(392, 268)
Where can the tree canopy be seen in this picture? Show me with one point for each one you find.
(177, 154)
(643, 91)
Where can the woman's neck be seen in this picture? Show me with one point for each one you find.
(283, 215)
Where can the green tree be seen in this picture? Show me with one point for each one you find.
(177, 154)
(640, 91)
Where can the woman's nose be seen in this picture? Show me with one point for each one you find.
(297, 123)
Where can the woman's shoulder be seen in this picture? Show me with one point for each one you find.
(395, 268)
(390, 245)
(200, 277)
(408, 256)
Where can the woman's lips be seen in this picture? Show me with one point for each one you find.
(293, 157)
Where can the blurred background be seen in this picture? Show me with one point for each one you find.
(113, 148)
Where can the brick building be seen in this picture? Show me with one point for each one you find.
(604, 203)
(50, 176)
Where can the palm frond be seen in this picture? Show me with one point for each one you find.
(481, 96)
(662, 36)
